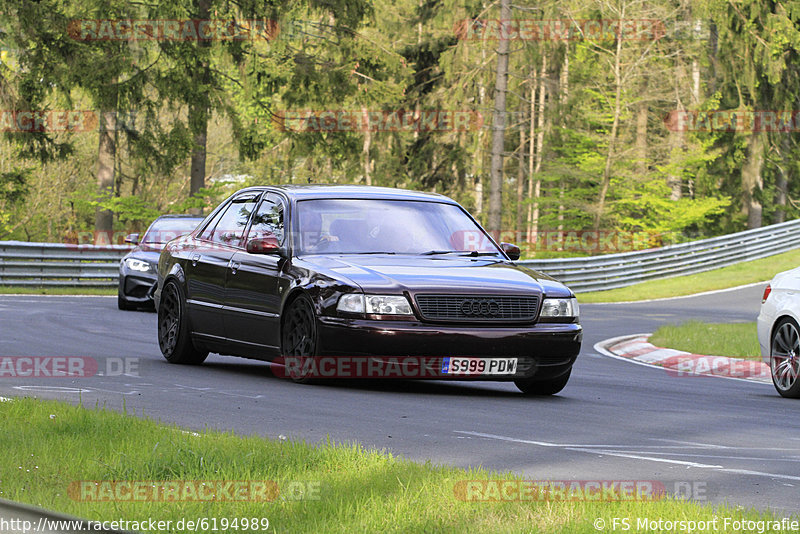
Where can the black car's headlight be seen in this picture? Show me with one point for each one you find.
(560, 308)
(374, 304)
(139, 265)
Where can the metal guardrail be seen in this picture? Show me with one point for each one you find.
(598, 273)
(55, 264)
(59, 264)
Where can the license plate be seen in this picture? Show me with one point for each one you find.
(479, 366)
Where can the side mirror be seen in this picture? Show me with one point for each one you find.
(264, 245)
(133, 239)
(512, 251)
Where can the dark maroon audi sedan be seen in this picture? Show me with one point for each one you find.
(352, 282)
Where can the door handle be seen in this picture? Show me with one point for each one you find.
(195, 259)
(235, 265)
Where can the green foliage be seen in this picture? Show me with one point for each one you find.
(13, 186)
(205, 198)
(133, 210)
(13, 190)
(404, 55)
(646, 206)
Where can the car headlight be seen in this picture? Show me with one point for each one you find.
(138, 265)
(374, 304)
(567, 308)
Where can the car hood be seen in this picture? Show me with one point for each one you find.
(451, 274)
(151, 247)
(145, 254)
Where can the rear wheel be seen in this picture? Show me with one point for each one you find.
(299, 333)
(174, 336)
(784, 361)
(532, 387)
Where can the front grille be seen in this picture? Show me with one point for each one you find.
(477, 307)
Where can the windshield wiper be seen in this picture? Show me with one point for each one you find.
(437, 252)
(472, 253)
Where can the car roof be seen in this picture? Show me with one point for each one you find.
(320, 191)
(180, 216)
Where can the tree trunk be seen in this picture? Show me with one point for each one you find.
(641, 136)
(499, 125)
(532, 154)
(520, 177)
(564, 98)
(537, 188)
(752, 180)
(677, 139)
(479, 153)
(198, 114)
(365, 151)
(106, 157)
(782, 182)
(695, 82)
(676, 145)
(780, 196)
(612, 139)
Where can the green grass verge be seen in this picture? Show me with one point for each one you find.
(714, 339)
(13, 290)
(48, 445)
(734, 275)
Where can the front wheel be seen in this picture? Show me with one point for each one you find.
(784, 361)
(299, 333)
(532, 387)
(174, 334)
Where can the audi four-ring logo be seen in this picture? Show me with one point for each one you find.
(483, 308)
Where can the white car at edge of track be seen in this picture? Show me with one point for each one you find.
(779, 331)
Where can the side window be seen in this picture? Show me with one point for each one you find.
(268, 220)
(230, 228)
(209, 229)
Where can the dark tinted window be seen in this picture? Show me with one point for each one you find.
(268, 220)
(207, 231)
(368, 226)
(231, 225)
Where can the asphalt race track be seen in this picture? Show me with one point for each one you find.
(727, 440)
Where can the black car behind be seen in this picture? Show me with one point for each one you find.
(137, 270)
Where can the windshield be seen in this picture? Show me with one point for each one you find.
(165, 230)
(365, 226)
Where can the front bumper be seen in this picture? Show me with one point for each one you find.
(137, 288)
(545, 350)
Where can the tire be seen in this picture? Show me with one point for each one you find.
(123, 304)
(174, 334)
(784, 360)
(531, 387)
(299, 333)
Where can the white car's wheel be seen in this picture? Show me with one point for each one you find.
(785, 358)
